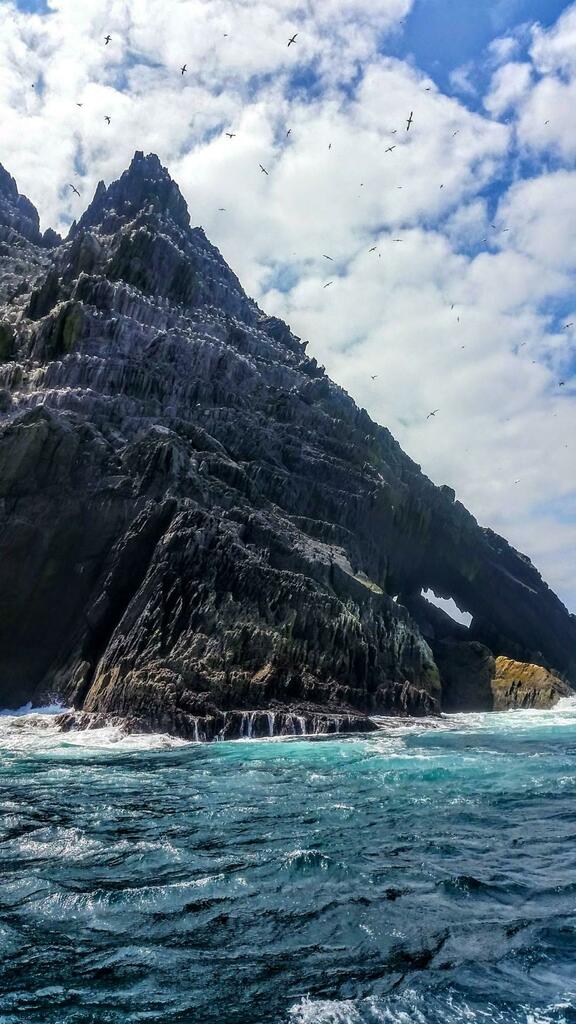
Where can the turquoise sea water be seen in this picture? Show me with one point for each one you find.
(422, 875)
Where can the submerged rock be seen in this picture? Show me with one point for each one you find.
(196, 523)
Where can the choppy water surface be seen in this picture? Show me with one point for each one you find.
(418, 876)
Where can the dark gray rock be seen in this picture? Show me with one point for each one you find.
(195, 522)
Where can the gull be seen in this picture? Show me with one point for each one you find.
(373, 249)
(328, 285)
(390, 149)
(374, 377)
(74, 189)
(433, 413)
(571, 324)
(289, 132)
(454, 134)
(221, 209)
(107, 119)
(397, 239)
(410, 121)
(231, 135)
(293, 39)
(394, 131)
(327, 257)
(546, 122)
(263, 169)
(329, 145)
(183, 69)
(79, 104)
(107, 40)
(561, 383)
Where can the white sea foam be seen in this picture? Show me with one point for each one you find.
(34, 730)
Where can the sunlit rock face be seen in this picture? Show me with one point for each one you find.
(195, 521)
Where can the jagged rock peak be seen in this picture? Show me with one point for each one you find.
(146, 184)
(17, 213)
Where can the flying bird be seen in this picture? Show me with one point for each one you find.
(293, 39)
(74, 189)
(410, 121)
(79, 104)
(221, 209)
(107, 119)
(373, 249)
(374, 377)
(183, 69)
(107, 40)
(433, 413)
(329, 283)
(327, 257)
(390, 148)
(571, 324)
(289, 132)
(561, 383)
(329, 145)
(397, 239)
(263, 169)
(231, 135)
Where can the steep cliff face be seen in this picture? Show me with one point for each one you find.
(194, 520)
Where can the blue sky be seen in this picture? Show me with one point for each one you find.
(467, 313)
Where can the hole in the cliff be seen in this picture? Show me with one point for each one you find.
(448, 605)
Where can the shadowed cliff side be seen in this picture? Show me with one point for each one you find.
(194, 520)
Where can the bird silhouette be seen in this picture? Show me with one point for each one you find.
(183, 69)
(373, 249)
(433, 413)
(231, 135)
(293, 39)
(107, 40)
(107, 119)
(289, 132)
(374, 377)
(263, 169)
(75, 190)
(571, 324)
(390, 149)
(410, 121)
(327, 257)
(329, 283)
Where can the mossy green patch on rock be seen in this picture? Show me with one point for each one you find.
(6, 342)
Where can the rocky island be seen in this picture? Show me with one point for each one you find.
(201, 533)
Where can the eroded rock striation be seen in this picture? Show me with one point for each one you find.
(199, 531)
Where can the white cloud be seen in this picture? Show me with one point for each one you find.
(492, 363)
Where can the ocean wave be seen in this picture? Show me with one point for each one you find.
(412, 1007)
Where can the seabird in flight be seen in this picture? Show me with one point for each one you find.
(74, 189)
(327, 257)
(183, 69)
(107, 119)
(231, 135)
(390, 148)
(293, 39)
(410, 121)
(263, 169)
(329, 283)
(107, 40)
(433, 413)
(374, 377)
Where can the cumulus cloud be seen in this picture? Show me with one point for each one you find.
(462, 303)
